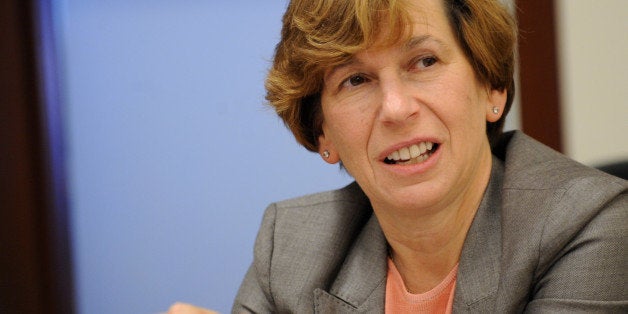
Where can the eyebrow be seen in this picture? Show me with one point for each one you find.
(418, 40)
(409, 45)
(337, 68)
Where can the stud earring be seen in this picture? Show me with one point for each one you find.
(326, 154)
(495, 110)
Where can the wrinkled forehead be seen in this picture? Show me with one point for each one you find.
(420, 18)
(407, 25)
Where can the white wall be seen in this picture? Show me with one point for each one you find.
(593, 58)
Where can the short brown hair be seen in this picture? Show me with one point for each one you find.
(319, 34)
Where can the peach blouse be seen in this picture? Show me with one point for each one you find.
(399, 300)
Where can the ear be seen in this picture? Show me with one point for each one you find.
(325, 144)
(496, 100)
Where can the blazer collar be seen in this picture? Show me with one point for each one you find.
(360, 285)
(479, 267)
(361, 282)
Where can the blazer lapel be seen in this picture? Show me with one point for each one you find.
(479, 267)
(361, 282)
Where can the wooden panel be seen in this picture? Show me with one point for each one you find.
(35, 276)
(540, 95)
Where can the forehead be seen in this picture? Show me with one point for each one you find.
(427, 24)
(425, 17)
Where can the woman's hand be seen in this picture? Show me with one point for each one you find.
(184, 308)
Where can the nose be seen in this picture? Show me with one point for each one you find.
(398, 106)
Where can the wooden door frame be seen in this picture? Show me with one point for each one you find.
(35, 267)
(538, 72)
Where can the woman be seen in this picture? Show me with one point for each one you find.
(447, 213)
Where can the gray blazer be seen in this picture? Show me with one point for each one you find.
(549, 236)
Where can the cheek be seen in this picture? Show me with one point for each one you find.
(350, 120)
(465, 105)
(348, 130)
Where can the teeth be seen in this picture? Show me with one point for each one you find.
(404, 153)
(415, 151)
(422, 148)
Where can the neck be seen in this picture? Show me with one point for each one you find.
(426, 244)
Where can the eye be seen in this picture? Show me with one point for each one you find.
(426, 62)
(354, 80)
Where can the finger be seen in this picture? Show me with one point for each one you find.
(184, 308)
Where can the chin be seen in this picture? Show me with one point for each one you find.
(413, 197)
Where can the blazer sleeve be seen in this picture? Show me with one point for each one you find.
(588, 275)
(254, 295)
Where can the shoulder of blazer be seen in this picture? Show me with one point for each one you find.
(540, 183)
(530, 165)
(311, 237)
(542, 187)
(351, 193)
(547, 201)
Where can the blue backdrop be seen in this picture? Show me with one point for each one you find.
(172, 154)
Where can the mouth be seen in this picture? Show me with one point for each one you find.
(413, 154)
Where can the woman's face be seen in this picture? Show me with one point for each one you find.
(416, 98)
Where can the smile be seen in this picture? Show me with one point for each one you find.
(413, 154)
